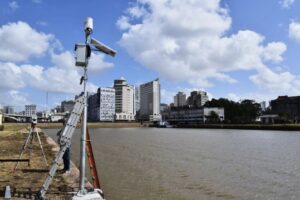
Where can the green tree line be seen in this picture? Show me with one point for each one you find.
(242, 112)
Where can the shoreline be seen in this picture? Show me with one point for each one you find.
(11, 140)
(91, 125)
(95, 125)
(274, 127)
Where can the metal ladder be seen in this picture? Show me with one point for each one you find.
(65, 142)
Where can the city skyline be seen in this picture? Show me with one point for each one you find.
(245, 56)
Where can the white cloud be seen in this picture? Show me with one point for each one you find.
(273, 52)
(10, 76)
(294, 31)
(286, 3)
(14, 98)
(256, 96)
(13, 5)
(279, 82)
(186, 41)
(234, 97)
(19, 42)
(61, 77)
(123, 23)
(97, 63)
(167, 96)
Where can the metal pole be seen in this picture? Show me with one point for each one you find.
(83, 129)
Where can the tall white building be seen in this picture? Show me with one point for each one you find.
(124, 100)
(30, 110)
(101, 106)
(150, 101)
(180, 99)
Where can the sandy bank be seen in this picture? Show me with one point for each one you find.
(27, 180)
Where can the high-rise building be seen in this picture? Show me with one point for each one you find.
(150, 101)
(180, 99)
(101, 106)
(197, 99)
(30, 110)
(124, 100)
(8, 109)
(263, 106)
(67, 106)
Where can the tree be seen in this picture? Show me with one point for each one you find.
(244, 112)
(213, 117)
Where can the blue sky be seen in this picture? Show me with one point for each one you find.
(232, 49)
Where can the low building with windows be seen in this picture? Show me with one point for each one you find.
(193, 115)
(57, 117)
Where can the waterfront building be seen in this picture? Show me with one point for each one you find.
(124, 100)
(209, 112)
(30, 110)
(268, 119)
(193, 115)
(197, 99)
(57, 117)
(8, 110)
(101, 106)
(150, 101)
(286, 107)
(180, 99)
(67, 106)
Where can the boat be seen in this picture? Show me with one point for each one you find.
(164, 124)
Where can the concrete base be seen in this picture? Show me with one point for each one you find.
(95, 195)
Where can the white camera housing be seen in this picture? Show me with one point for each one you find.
(88, 25)
(103, 48)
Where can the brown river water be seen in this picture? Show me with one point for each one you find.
(194, 164)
